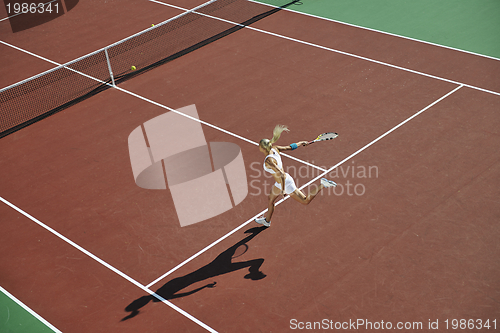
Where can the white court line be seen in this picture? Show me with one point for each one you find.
(8, 17)
(108, 266)
(211, 125)
(33, 313)
(336, 51)
(102, 49)
(379, 31)
(158, 104)
(303, 186)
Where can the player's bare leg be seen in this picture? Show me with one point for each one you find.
(266, 221)
(305, 200)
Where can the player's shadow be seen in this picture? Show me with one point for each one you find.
(221, 265)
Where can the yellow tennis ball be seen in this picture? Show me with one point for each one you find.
(133, 68)
(152, 25)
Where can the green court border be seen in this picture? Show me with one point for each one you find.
(16, 317)
(467, 25)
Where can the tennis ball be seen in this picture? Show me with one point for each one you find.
(152, 25)
(133, 68)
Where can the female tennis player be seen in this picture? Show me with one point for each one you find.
(284, 182)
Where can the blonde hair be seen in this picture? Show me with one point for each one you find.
(267, 144)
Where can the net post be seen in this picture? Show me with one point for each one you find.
(109, 67)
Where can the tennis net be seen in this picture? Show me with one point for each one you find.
(38, 97)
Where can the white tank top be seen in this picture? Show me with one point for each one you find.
(274, 154)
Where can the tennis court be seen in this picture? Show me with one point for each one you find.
(407, 241)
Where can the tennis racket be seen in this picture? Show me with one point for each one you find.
(325, 136)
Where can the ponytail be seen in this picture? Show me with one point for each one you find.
(277, 132)
(267, 144)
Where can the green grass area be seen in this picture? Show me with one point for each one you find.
(470, 25)
(15, 319)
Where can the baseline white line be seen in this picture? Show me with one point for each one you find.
(303, 186)
(108, 266)
(337, 51)
(27, 308)
(379, 31)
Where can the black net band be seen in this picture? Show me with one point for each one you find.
(36, 98)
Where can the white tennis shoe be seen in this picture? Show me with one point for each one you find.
(262, 220)
(328, 183)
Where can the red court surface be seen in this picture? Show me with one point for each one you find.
(90, 26)
(412, 239)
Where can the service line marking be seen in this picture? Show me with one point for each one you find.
(334, 50)
(303, 186)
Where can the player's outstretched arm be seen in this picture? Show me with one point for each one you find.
(292, 146)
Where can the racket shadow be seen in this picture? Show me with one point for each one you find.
(223, 264)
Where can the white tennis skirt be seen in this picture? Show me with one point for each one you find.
(290, 186)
